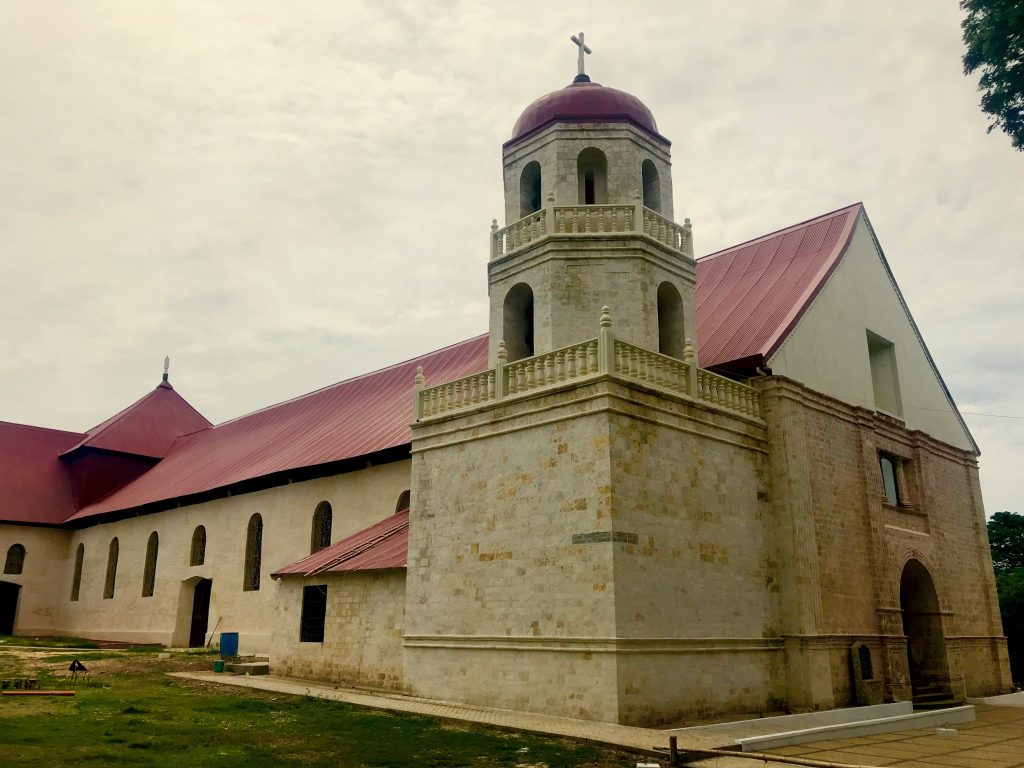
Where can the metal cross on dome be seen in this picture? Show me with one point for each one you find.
(583, 49)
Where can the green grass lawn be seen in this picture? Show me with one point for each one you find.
(133, 714)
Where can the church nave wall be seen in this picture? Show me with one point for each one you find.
(358, 499)
(42, 578)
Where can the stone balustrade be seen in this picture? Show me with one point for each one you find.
(568, 364)
(604, 355)
(576, 220)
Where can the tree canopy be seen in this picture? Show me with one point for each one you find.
(994, 35)
(1006, 540)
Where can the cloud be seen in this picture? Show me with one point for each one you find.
(280, 196)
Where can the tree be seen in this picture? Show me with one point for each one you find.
(1006, 540)
(994, 35)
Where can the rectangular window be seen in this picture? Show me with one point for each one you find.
(890, 479)
(884, 378)
(314, 612)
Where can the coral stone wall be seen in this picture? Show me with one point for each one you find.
(363, 629)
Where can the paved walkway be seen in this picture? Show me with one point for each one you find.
(994, 740)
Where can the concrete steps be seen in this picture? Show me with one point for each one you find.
(248, 666)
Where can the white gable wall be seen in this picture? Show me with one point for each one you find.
(828, 350)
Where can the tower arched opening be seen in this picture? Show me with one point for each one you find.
(529, 189)
(922, 626)
(592, 173)
(517, 328)
(652, 185)
(671, 324)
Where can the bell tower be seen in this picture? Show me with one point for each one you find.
(588, 223)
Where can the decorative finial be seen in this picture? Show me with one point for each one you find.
(687, 351)
(502, 352)
(606, 317)
(687, 225)
(551, 196)
(420, 380)
(167, 367)
(494, 225)
(581, 76)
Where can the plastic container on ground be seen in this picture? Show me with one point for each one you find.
(228, 644)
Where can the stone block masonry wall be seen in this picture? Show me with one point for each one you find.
(844, 547)
(362, 632)
(688, 484)
(555, 562)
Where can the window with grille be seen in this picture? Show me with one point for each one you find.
(403, 502)
(197, 555)
(149, 572)
(108, 584)
(76, 578)
(253, 554)
(321, 535)
(314, 614)
(15, 561)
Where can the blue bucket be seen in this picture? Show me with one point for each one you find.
(228, 644)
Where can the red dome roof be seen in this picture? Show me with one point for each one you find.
(585, 102)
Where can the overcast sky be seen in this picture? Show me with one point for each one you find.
(280, 195)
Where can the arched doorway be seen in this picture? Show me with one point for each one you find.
(8, 606)
(922, 626)
(517, 329)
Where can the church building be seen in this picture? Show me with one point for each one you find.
(658, 488)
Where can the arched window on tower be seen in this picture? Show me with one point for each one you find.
(15, 561)
(197, 554)
(320, 538)
(76, 577)
(253, 554)
(671, 325)
(592, 172)
(149, 572)
(404, 500)
(517, 329)
(108, 584)
(529, 189)
(652, 186)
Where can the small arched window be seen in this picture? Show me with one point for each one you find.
(518, 322)
(149, 572)
(652, 186)
(671, 326)
(404, 500)
(320, 538)
(76, 577)
(529, 189)
(108, 584)
(197, 553)
(15, 561)
(253, 554)
(592, 174)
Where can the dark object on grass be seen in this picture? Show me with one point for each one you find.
(78, 671)
(37, 693)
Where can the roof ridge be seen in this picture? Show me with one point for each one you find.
(41, 429)
(781, 231)
(349, 380)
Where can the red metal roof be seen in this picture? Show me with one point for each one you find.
(584, 102)
(749, 297)
(33, 485)
(147, 427)
(354, 418)
(382, 545)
